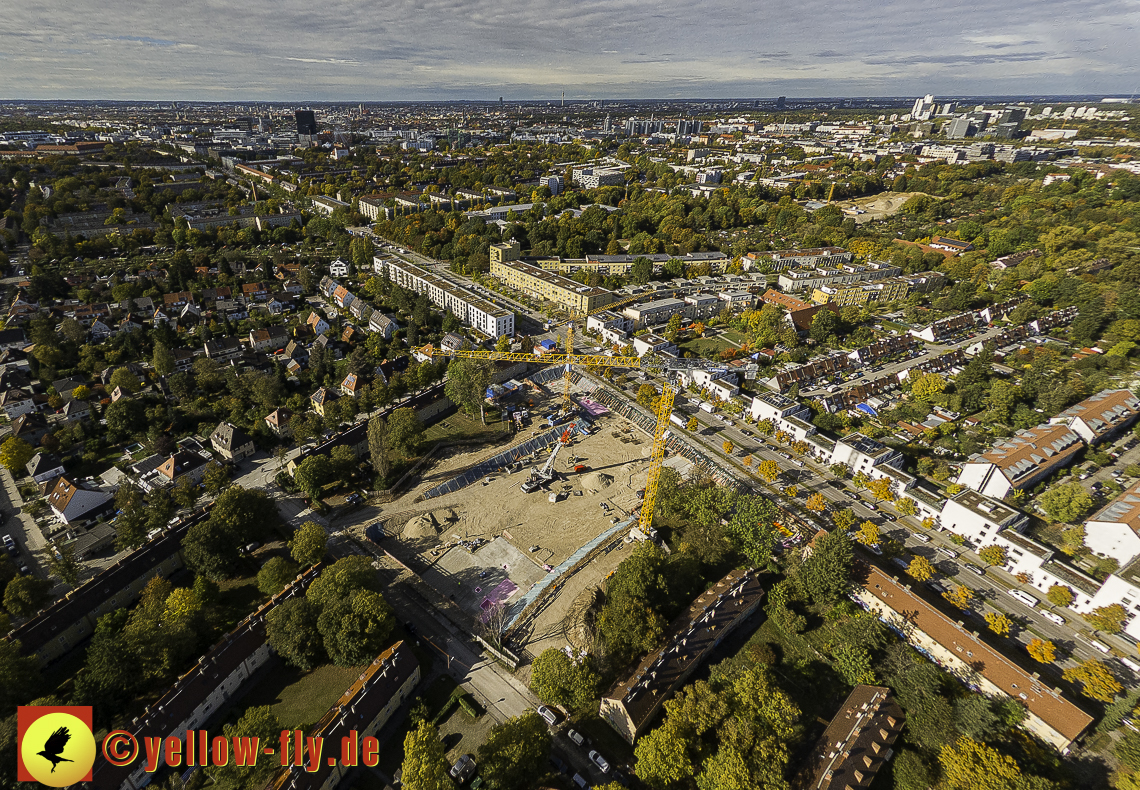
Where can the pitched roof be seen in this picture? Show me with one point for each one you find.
(856, 743)
(1103, 412)
(1031, 450)
(229, 436)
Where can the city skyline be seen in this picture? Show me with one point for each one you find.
(535, 51)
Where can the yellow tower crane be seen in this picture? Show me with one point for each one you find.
(663, 409)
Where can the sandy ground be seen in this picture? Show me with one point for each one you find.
(483, 540)
(877, 206)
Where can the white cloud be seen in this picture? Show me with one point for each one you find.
(408, 49)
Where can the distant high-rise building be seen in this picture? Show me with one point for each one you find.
(608, 125)
(306, 122)
(923, 108)
(780, 102)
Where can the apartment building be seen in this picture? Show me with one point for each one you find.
(958, 649)
(553, 287)
(630, 705)
(787, 414)
(1102, 416)
(657, 312)
(1022, 461)
(796, 280)
(813, 257)
(473, 310)
(856, 744)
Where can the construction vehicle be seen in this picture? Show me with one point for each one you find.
(539, 477)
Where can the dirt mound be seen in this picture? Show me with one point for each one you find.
(596, 481)
(422, 526)
(445, 516)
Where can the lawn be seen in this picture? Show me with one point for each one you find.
(299, 699)
(705, 346)
(438, 693)
(458, 426)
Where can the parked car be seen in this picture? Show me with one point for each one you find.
(463, 769)
(922, 536)
(890, 516)
(598, 760)
(547, 715)
(975, 569)
(576, 737)
(1053, 617)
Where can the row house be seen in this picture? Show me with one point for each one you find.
(223, 348)
(268, 339)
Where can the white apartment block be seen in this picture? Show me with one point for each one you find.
(475, 311)
(1022, 461)
(1101, 416)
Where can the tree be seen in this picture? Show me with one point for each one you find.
(881, 489)
(826, 575)
(466, 386)
(843, 519)
(64, 563)
(182, 605)
(662, 760)
(1127, 750)
(769, 470)
(15, 454)
(312, 474)
(993, 555)
(791, 491)
(309, 544)
(292, 631)
(840, 470)
(920, 569)
(868, 533)
(1067, 502)
(125, 417)
(26, 595)
(961, 596)
(378, 446)
(262, 724)
(559, 681)
(1059, 595)
(503, 344)
(515, 752)
(343, 578)
(998, 623)
(727, 447)
(210, 550)
(125, 380)
(969, 765)
(356, 628)
(275, 575)
(163, 360)
(425, 765)
(753, 528)
(823, 325)
(185, 492)
(906, 506)
(215, 477)
(1042, 651)
(928, 386)
(19, 675)
(404, 432)
(1098, 683)
(816, 502)
(693, 425)
(1109, 619)
(646, 395)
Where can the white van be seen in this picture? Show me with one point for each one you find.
(1053, 617)
(1131, 665)
(1025, 598)
(1101, 646)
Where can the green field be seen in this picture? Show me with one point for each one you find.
(705, 346)
(299, 699)
(458, 426)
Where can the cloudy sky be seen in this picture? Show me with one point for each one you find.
(288, 50)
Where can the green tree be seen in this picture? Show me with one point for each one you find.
(662, 758)
(64, 563)
(558, 681)
(262, 724)
(928, 386)
(125, 418)
(356, 629)
(184, 493)
(1068, 502)
(825, 576)
(404, 433)
(312, 474)
(646, 395)
(15, 454)
(466, 386)
(19, 675)
(309, 544)
(292, 631)
(425, 765)
(378, 446)
(163, 360)
(125, 380)
(343, 578)
(630, 622)
(275, 575)
(515, 752)
(26, 595)
(215, 477)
